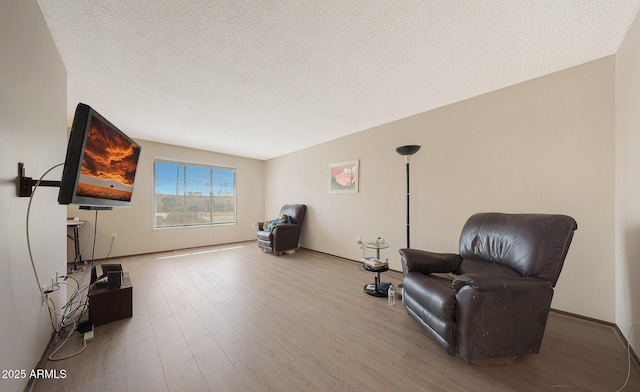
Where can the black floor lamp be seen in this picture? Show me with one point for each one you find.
(406, 152)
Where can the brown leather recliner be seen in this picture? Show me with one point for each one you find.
(492, 299)
(284, 236)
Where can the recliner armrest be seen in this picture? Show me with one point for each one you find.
(484, 282)
(428, 262)
(259, 226)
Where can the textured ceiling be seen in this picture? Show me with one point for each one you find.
(263, 78)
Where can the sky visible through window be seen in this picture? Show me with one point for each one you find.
(170, 179)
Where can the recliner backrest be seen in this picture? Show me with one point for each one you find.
(534, 245)
(294, 211)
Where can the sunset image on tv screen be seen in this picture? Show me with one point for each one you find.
(109, 164)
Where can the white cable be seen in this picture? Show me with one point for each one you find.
(49, 292)
(110, 248)
(628, 356)
(552, 388)
(68, 309)
(51, 356)
(33, 265)
(54, 305)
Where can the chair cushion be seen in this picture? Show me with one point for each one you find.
(472, 266)
(434, 293)
(265, 235)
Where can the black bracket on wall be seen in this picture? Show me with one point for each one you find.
(26, 184)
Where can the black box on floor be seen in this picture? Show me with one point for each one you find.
(84, 326)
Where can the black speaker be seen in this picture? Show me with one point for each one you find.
(94, 274)
(114, 279)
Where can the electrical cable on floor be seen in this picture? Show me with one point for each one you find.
(628, 356)
(33, 265)
(71, 309)
(51, 356)
(554, 387)
(76, 307)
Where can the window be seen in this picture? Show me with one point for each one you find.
(193, 195)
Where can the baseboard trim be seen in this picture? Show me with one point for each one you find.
(154, 252)
(344, 258)
(40, 365)
(581, 317)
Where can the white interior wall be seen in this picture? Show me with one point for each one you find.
(627, 267)
(134, 225)
(546, 145)
(32, 129)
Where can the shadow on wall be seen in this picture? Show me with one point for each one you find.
(306, 234)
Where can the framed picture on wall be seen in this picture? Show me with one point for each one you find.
(343, 177)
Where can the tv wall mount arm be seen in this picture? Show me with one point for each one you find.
(26, 184)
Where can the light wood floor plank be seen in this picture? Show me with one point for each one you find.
(259, 376)
(188, 321)
(180, 368)
(219, 372)
(144, 367)
(76, 368)
(110, 354)
(115, 381)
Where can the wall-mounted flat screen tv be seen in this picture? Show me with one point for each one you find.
(100, 167)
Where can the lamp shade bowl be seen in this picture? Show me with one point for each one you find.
(407, 150)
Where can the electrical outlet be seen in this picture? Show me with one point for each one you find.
(358, 239)
(114, 236)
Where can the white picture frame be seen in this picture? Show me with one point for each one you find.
(344, 176)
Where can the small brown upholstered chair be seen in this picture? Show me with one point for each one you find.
(285, 236)
(492, 299)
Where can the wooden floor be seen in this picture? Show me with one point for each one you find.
(230, 318)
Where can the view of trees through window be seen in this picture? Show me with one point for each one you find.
(188, 195)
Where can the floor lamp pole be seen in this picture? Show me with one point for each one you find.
(408, 215)
(406, 152)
